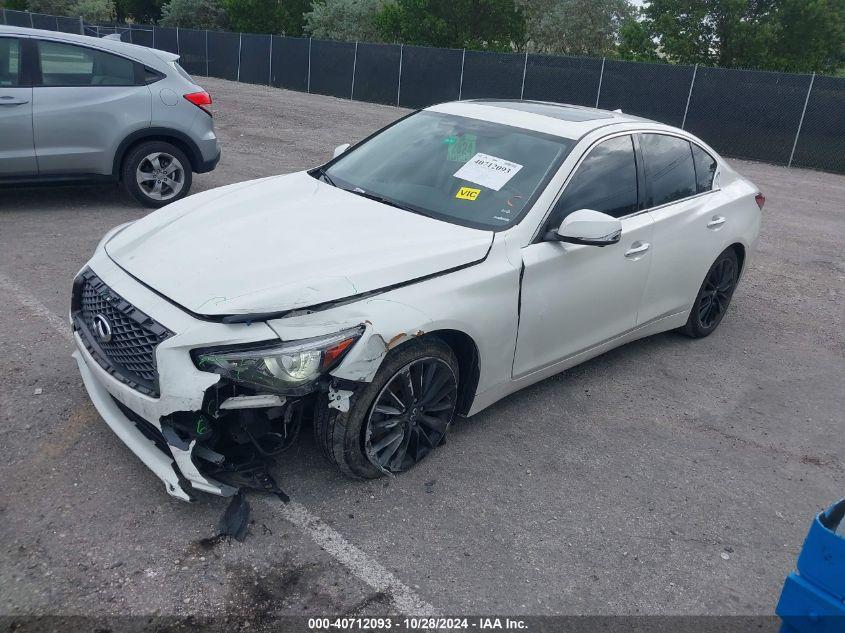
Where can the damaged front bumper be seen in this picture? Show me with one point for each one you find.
(194, 429)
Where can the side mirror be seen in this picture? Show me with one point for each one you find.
(588, 227)
(340, 149)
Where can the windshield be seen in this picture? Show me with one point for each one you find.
(470, 172)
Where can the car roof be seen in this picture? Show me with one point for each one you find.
(559, 119)
(139, 53)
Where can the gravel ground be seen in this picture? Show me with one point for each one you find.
(667, 477)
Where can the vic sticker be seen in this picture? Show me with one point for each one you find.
(466, 193)
(488, 171)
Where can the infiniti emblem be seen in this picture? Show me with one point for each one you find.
(102, 328)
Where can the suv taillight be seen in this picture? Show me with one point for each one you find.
(200, 99)
(760, 199)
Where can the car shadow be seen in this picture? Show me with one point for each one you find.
(65, 197)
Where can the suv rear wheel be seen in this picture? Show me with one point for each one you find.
(156, 173)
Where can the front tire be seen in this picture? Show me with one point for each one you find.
(156, 173)
(397, 419)
(714, 296)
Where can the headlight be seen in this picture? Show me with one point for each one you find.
(283, 367)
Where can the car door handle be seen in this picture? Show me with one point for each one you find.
(716, 222)
(637, 249)
(11, 101)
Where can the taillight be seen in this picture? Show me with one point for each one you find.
(200, 99)
(760, 199)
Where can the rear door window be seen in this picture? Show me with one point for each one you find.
(605, 181)
(669, 170)
(69, 65)
(705, 169)
(10, 62)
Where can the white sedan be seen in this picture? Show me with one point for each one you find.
(461, 253)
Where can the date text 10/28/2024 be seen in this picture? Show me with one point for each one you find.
(416, 624)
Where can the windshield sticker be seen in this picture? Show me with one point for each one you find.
(488, 171)
(460, 148)
(467, 193)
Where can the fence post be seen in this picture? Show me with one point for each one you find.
(801, 122)
(461, 84)
(154, 37)
(178, 48)
(601, 78)
(240, 47)
(30, 20)
(57, 23)
(206, 51)
(689, 96)
(270, 73)
(3, 11)
(399, 83)
(308, 87)
(524, 70)
(354, 64)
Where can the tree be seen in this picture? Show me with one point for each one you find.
(267, 16)
(479, 24)
(798, 35)
(138, 11)
(15, 5)
(194, 14)
(346, 19)
(635, 42)
(95, 10)
(575, 27)
(50, 7)
(808, 35)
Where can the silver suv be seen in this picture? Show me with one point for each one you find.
(81, 108)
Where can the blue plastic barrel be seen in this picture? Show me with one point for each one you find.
(813, 596)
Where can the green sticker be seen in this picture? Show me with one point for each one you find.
(202, 427)
(449, 140)
(461, 149)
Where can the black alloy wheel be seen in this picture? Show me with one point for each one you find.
(411, 414)
(718, 288)
(714, 296)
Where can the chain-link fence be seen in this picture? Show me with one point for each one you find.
(781, 118)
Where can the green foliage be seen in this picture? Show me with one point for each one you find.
(795, 35)
(635, 43)
(267, 16)
(575, 27)
(138, 11)
(96, 10)
(15, 5)
(51, 7)
(477, 24)
(194, 14)
(346, 19)
(809, 35)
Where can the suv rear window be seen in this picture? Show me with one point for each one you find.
(69, 65)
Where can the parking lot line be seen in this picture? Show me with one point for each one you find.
(27, 300)
(359, 564)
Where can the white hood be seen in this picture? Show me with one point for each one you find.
(283, 243)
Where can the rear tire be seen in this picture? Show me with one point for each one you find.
(156, 173)
(714, 296)
(346, 437)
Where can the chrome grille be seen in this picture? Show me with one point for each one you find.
(129, 355)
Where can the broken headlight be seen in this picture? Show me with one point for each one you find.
(283, 367)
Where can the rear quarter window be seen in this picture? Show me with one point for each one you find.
(670, 173)
(705, 169)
